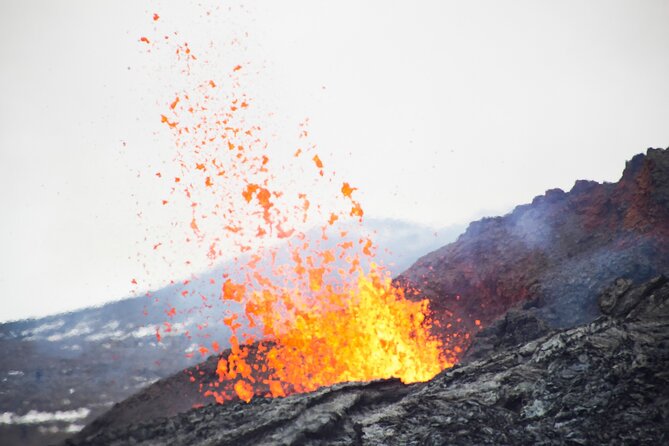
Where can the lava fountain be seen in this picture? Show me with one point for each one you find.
(325, 313)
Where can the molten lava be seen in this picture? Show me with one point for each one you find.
(366, 330)
(326, 313)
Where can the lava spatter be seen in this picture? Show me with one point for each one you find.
(323, 314)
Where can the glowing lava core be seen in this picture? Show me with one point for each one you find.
(368, 331)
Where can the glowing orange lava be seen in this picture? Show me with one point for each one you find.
(323, 315)
(370, 331)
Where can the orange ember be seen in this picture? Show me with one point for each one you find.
(324, 313)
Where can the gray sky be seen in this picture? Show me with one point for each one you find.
(438, 111)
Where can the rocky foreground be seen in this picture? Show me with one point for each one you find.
(606, 382)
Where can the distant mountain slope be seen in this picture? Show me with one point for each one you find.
(556, 253)
(60, 372)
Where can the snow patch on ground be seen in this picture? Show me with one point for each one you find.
(176, 329)
(72, 428)
(36, 417)
(49, 326)
(116, 335)
(142, 332)
(80, 329)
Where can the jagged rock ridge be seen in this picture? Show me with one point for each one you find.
(558, 252)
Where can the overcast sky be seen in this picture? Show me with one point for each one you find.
(438, 111)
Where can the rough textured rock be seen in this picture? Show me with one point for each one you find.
(517, 326)
(560, 251)
(605, 382)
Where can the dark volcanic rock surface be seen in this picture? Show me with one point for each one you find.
(560, 251)
(606, 382)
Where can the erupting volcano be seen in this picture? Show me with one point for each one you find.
(327, 312)
(334, 223)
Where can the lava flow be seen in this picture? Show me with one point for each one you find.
(365, 330)
(304, 311)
